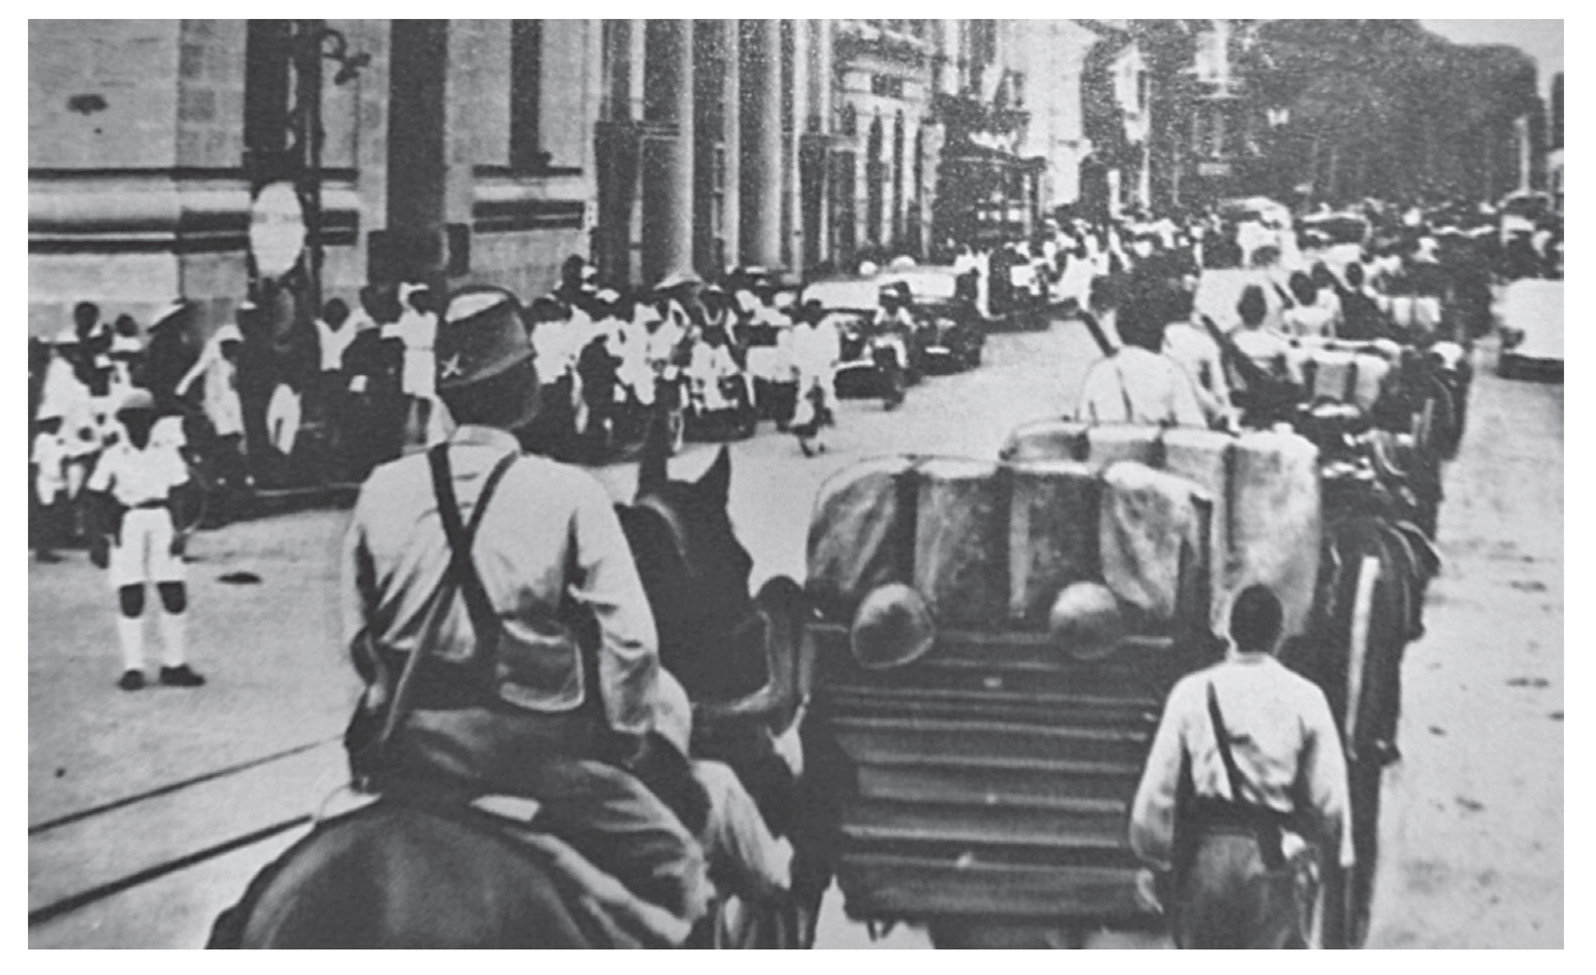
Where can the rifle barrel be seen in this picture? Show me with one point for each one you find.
(1098, 335)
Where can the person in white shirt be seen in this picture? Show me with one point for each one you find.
(1137, 384)
(635, 373)
(1254, 747)
(133, 484)
(816, 350)
(48, 463)
(1188, 343)
(218, 366)
(712, 362)
(66, 395)
(1306, 317)
(417, 327)
(1267, 348)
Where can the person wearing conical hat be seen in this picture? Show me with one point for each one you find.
(512, 568)
(133, 485)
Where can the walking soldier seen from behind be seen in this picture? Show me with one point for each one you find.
(1245, 784)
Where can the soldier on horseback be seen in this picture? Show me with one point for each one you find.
(506, 642)
(1246, 761)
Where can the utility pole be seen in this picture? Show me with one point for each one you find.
(308, 136)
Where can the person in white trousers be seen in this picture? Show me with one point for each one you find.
(132, 484)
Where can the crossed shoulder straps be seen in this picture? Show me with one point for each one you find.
(462, 568)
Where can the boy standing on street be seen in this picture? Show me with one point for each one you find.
(132, 484)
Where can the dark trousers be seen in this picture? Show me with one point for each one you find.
(47, 526)
(1227, 898)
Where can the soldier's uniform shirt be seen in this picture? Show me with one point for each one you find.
(1137, 386)
(544, 519)
(140, 480)
(1284, 741)
(1194, 351)
(1310, 321)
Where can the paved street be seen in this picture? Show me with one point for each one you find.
(1473, 821)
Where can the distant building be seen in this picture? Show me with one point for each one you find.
(466, 151)
(1554, 145)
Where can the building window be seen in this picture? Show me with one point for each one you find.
(268, 54)
(886, 86)
(526, 93)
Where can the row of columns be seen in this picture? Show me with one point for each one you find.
(895, 172)
(762, 193)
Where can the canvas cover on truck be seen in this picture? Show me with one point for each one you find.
(1265, 489)
(991, 774)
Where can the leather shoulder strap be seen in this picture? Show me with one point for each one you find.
(1222, 737)
(484, 619)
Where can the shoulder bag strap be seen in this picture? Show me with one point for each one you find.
(1267, 831)
(1124, 391)
(1222, 738)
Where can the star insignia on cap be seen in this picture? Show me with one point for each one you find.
(452, 367)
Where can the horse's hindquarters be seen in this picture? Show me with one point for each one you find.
(392, 876)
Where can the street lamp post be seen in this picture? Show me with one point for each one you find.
(313, 42)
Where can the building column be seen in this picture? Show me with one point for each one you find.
(912, 195)
(817, 215)
(761, 170)
(668, 154)
(732, 140)
(953, 51)
(793, 164)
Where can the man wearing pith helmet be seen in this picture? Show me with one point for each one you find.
(494, 612)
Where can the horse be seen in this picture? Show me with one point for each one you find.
(1373, 572)
(415, 871)
(735, 655)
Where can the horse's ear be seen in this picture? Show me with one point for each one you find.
(653, 472)
(716, 482)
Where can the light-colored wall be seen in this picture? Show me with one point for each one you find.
(117, 60)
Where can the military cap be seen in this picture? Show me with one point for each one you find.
(481, 334)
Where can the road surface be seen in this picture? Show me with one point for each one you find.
(1473, 821)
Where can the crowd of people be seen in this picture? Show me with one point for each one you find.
(271, 399)
(1415, 278)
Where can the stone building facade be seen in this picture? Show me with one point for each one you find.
(470, 151)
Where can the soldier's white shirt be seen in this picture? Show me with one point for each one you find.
(134, 477)
(1194, 351)
(1283, 739)
(1137, 386)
